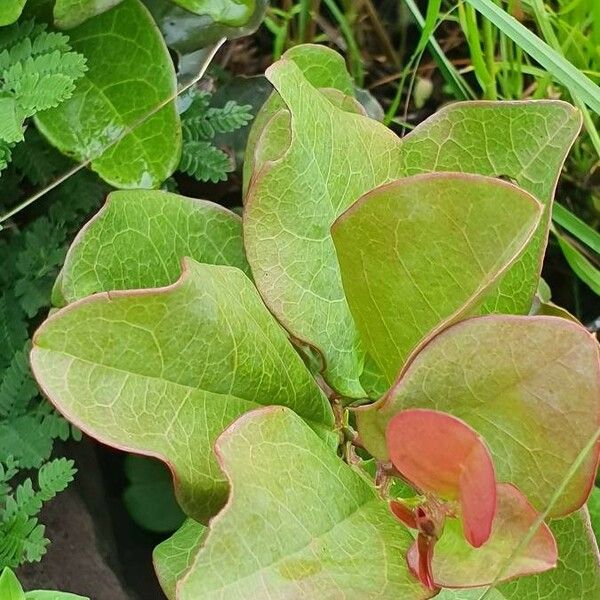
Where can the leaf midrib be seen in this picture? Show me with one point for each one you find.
(253, 403)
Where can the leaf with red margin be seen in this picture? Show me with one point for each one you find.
(576, 576)
(457, 564)
(173, 558)
(442, 455)
(530, 386)
(335, 157)
(299, 523)
(138, 239)
(420, 253)
(162, 372)
(324, 69)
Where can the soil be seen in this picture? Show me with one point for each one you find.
(96, 550)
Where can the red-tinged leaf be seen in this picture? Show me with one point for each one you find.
(529, 385)
(457, 564)
(425, 546)
(442, 455)
(403, 513)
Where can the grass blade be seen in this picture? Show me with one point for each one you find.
(569, 76)
(576, 227)
(581, 266)
(460, 88)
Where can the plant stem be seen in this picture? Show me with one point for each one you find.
(356, 64)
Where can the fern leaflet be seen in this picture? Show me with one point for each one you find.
(204, 161)
(200, 158)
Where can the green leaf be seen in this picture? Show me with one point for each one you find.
(70, 13)
(10, 588)
(323, 68)
(170, 368)
(130, 74)
(420, 253)
(282, 536)
(10, 11)
(336, 157)
(139, 238)
(149, 497)
(187, 32)
(52, 595)
(513, 379)
(275, 136)
(458, 564)
(234, 13)
(522, 142)
(576, 577)
(174, 557)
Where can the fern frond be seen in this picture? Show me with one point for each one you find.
(13, 330)
(25, 438)
(201, 121)
(197, 129)
(13, 34)
(7, 471)
(205, 162)
(11, 121)
(199, 105)
(229, 118)
(52, 425)
(44, 81)
(35, 543)
(38, 263)
(49, 41)
(53, 477)
(27, 428)
(38, 71)
(38, 161)
(21, 536)
(21, 539)
(17, 387)
(44, 43)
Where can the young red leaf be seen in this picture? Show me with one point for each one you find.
(456, 564)
(425, 547)
(442, 455)
(403, 513)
